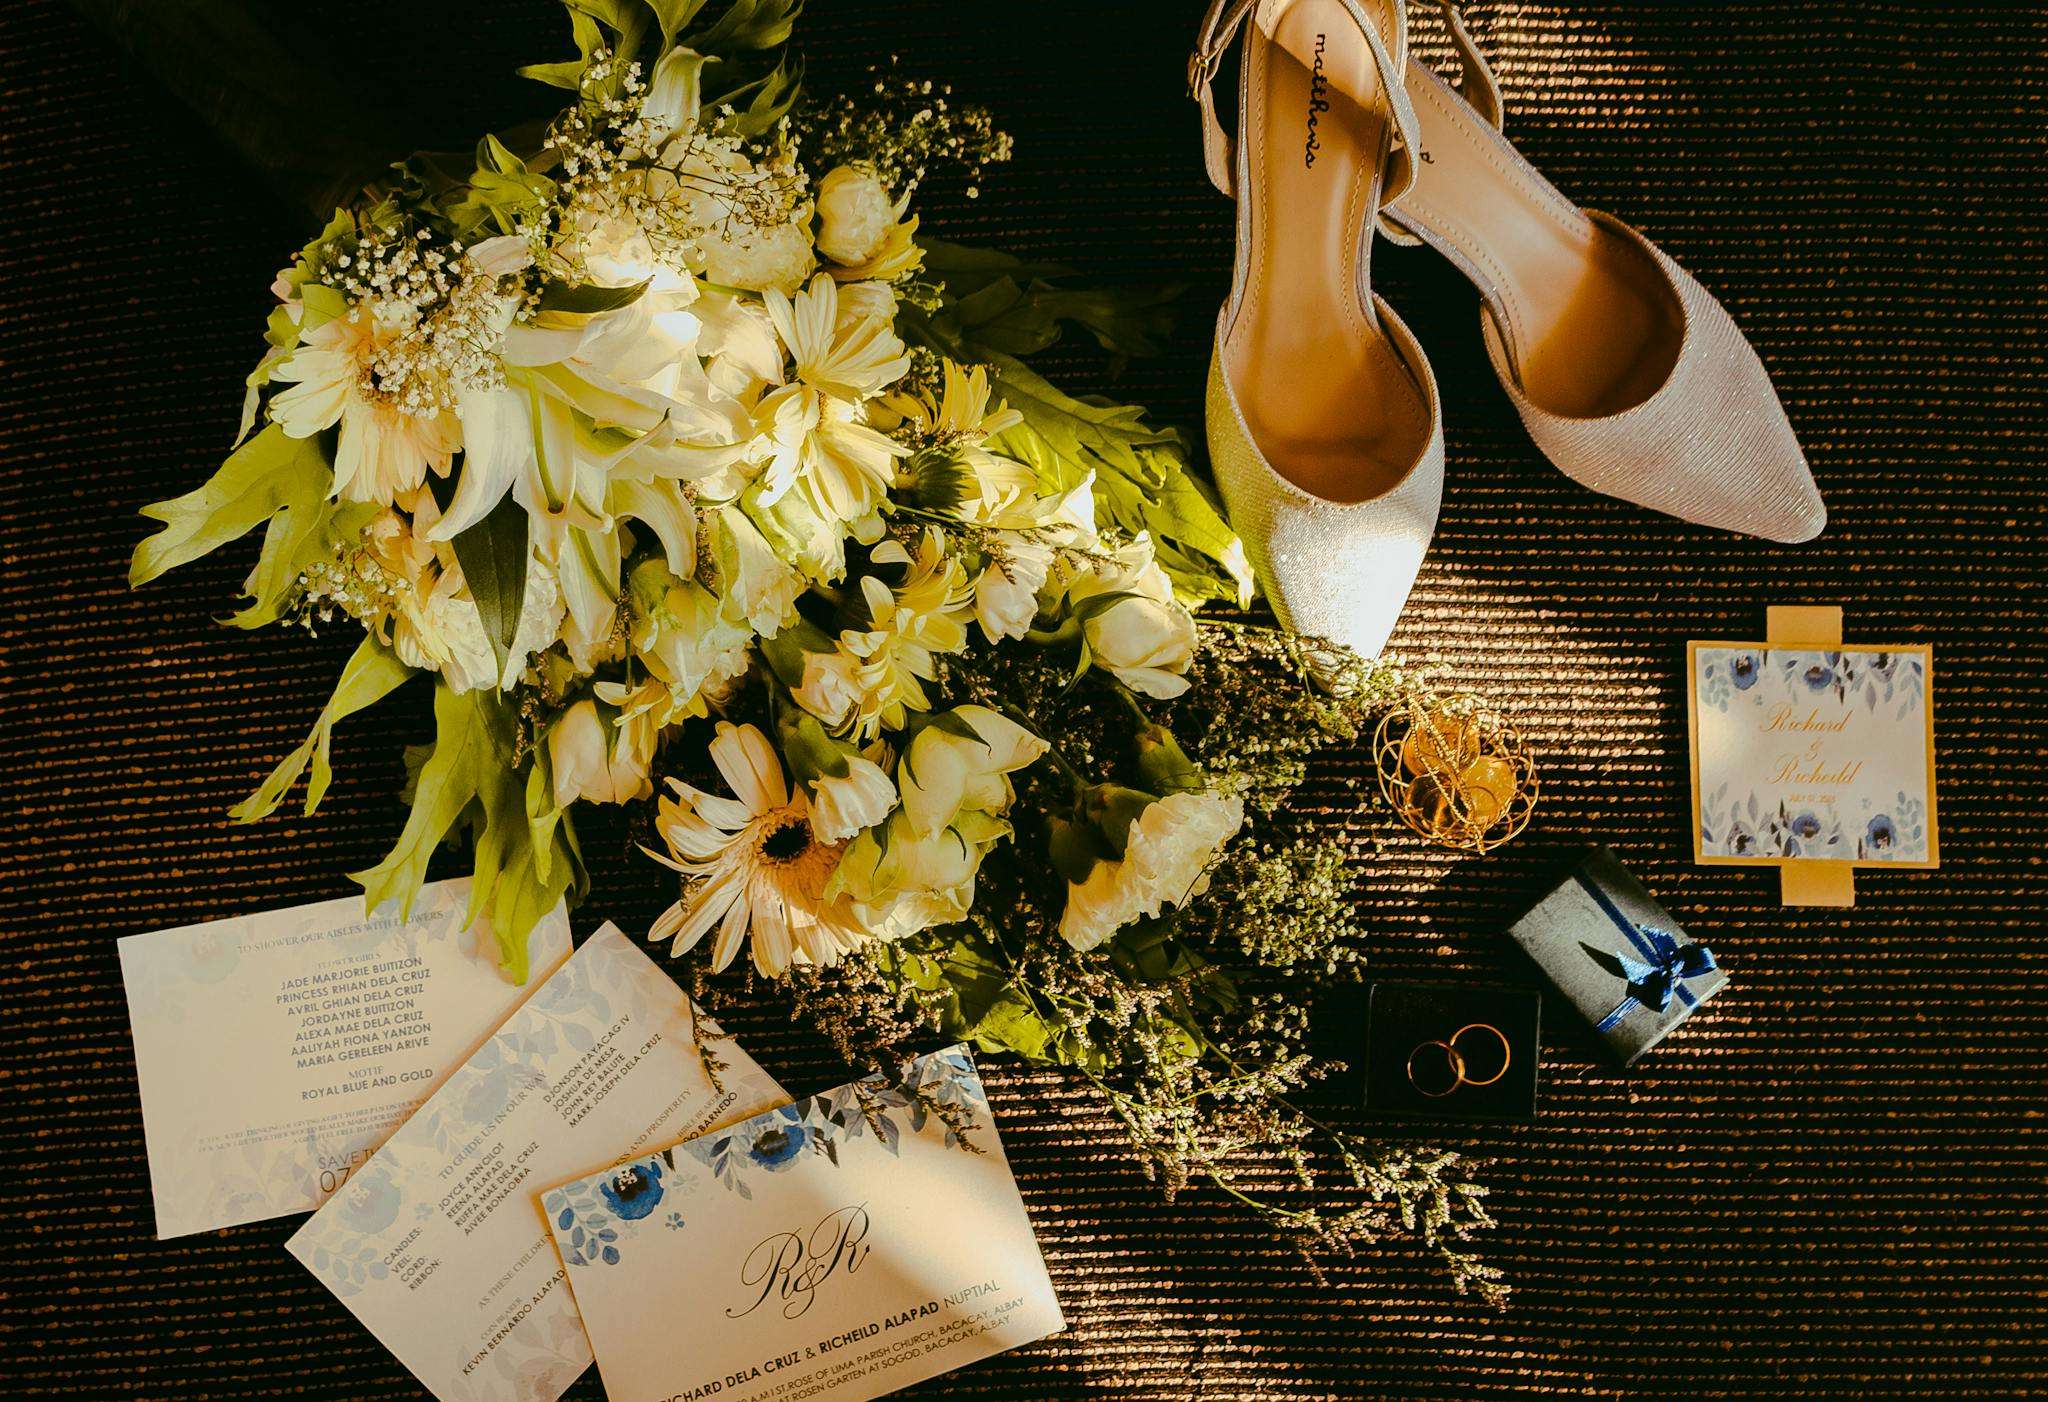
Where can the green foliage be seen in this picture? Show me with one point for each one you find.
(739, 40)
(985, 315)
(568, 73)
(748, 25)
(308, 530)
(526, 858)
(372, 673)
(492, 554)
(758, 102)
(259, 479)
(588, 299)
(1142, 482)
(499, 189)
(997, 302)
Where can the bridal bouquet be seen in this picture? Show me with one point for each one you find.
(687, 471)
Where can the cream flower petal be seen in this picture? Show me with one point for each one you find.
(728, 814)
(750, 766)
(732, 929)
(693, 839)
(497, 439)
(771, 937)
(703, 907)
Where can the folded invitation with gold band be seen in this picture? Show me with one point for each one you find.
(1806, 753)
(844, 1246)
(276, 1051)
(435, 1243)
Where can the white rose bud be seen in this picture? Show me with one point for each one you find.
(841, 807)
(830, 688)
(855, 215)
(591, 760)
(1147, 640)
(757, 259)
(1146, 643)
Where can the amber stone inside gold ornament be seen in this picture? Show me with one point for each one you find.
(1455, 771)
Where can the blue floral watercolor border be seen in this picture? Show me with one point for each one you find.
(594, 1216)
(1894, 681)
(1756, 825)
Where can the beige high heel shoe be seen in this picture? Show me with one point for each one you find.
(1324, 429)
(1628, 374)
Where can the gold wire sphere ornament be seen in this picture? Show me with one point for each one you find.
(1456, 771)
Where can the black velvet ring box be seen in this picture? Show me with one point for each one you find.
(1448, 1052)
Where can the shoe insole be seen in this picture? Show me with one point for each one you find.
(1589, 321)
(1326, 396)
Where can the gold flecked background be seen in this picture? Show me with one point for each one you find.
(1829, 1184)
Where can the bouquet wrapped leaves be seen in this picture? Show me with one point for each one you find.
(690, 471)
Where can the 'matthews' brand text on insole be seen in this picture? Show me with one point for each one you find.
(1318, 101)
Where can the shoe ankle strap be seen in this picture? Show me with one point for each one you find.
(1220, 27)
(1476, 83)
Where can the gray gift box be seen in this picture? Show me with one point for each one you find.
(1613, 953)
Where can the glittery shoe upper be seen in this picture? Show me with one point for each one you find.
(1711, 445)
(1338, 570)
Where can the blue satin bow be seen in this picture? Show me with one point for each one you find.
(1660, 974)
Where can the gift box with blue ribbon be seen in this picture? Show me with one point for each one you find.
(1617, 956)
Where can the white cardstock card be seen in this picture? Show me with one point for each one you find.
(436, 1243)
(276, 1051)
(847, 1245)
(1811, 754)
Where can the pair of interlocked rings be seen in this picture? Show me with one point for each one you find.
(1456, 1060)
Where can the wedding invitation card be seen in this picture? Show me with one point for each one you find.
(276, 1051)
(435, 1243)
(847, 1245)
(1812, 754)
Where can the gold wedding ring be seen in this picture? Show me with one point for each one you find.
(1455, 1059)
(1507, 1052)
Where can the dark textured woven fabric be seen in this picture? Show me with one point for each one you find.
(1828, 1183)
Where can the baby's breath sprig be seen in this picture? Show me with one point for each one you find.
(903, 129)
(617, 163)
(350, 583)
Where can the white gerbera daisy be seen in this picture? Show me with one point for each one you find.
(754, 864)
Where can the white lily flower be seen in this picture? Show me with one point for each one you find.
(673, 94)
